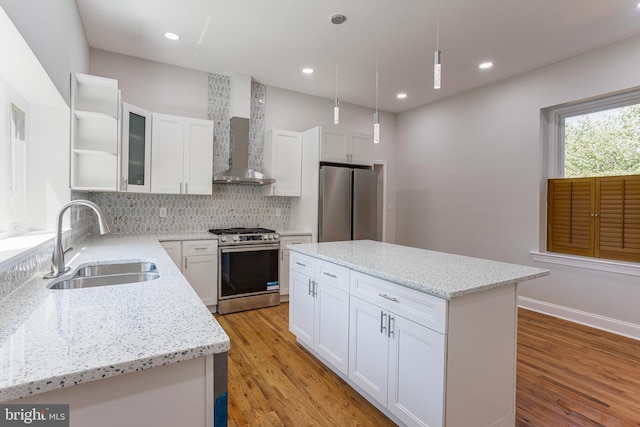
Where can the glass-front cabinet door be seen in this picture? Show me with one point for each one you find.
(136, 149)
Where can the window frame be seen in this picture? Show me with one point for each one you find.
(553, 118)
(557, 115)
(9, 97)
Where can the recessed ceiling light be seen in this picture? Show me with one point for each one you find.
(307, 70)
(401, 95)
(485, 65)
(172, 36)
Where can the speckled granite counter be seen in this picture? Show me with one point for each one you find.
(50, 339)
(294, 233)
(436, 273)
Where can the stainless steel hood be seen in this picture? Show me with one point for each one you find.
(239, 171)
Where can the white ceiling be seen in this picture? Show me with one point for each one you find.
(272, 40)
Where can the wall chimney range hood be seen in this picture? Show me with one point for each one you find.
(239, 172)
(240, 107)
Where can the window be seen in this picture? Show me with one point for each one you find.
(14, 142)
(593, 196)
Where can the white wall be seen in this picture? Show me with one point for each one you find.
(56, 36)
(474, 168)
(298, 112)
(157, 87)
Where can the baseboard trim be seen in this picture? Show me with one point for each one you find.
(603, 323)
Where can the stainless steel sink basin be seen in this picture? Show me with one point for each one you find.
(121, 268)
(109, 274)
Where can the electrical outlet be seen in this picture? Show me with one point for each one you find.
(163, 212)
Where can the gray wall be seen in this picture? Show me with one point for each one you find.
(55, 34)
(473, 177)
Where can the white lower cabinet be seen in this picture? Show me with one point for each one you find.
(198, 262)
(285, 257)
(319, 308)
(398, 362)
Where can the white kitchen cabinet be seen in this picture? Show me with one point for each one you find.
(397, 348)
(319, 309)
(95, 141)
(181, 155)
(174, 249)
(346, 147)
(136, 149)
(398, 362)
(285, 257)
(282, 160)
(200, 267)
(198, 262)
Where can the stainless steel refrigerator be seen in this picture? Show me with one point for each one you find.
(348, 205)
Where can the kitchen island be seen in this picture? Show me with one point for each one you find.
(145, 353)
(429, 338)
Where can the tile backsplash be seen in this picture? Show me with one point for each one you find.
(231, 205)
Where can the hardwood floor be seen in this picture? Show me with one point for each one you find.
(275, 382)
(568, 375)
(573, 375)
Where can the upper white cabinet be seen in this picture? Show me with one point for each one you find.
(136, 149)
(95, 143)
(346, 147)
(283, 162)
(182, 155)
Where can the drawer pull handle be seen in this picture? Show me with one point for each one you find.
(301, 264)
(333, 276)
(391, 326)
(385, 296)
(201, 248)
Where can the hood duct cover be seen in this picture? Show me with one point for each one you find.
(239, 172)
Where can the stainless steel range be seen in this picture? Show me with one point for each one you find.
(247, 268)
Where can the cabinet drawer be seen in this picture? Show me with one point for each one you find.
(424, 309)
(293, 240)
(302, 264)
(332, 274)
(199, 247)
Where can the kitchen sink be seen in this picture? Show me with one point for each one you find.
(109, 274)
(120, 268)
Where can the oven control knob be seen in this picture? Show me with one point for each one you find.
(235, 238)
(266, 237)
(276, 236)
(223, 239)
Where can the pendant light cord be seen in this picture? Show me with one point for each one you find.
(377, 48)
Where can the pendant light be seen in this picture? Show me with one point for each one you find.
(437, 57)
(337, 19)
(376, 117)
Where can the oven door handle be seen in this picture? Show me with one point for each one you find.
(247, 248)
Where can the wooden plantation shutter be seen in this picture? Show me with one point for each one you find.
(596, 217)
(569, 221)
(618, 232)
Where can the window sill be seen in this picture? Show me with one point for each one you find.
(612, 266)
(16, 249)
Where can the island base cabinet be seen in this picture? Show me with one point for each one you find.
(319, 310)
(398, 362)
(416, 373)
(301, 308)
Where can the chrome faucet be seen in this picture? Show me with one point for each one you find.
(57, 259)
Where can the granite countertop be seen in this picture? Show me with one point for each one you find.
(441, 274)
(50, 339)
(294, 233)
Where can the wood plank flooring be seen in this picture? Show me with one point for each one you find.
(275, 382)
(568, 375)
(573, 375)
